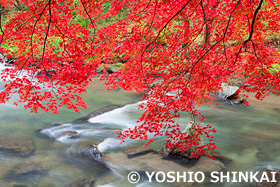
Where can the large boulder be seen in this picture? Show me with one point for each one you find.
(16, 147)
(115, 67)
(229, 93)
(112, 68)
(177, 153)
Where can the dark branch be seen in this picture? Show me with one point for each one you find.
(253, 21)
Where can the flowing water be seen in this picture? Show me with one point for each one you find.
(249, 136)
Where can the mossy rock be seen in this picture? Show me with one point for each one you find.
(115, 67)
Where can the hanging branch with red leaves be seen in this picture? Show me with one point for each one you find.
(176, 52)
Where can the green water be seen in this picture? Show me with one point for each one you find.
(248, 136)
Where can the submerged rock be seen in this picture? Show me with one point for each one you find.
(69, 134)
(58, 124)
(84, 183)
(270, 176)
(264, 150)
(207, 165)
(217, 155)
(144, 159)
(16, 147)
(136, 151)
(26, 170)
(33, 168)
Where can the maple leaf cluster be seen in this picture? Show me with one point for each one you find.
(176, 52)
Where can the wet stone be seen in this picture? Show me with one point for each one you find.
(69, 134)
(31, 169)
(84, 183)
(16, 147)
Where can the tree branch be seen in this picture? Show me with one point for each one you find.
(253, 22)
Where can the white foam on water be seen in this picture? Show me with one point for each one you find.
(265, 165)
(21, 74)
(91, 132)
(106, 185)
(144, 184)
(66, 139)
(56, 131)
(53, 132)
(2, 67)
(3, 60)
(120, 117)
(79, 150)
(109, 144)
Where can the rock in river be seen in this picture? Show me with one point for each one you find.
(84, 183)
(98, 112)
(145, 159)
(26, 170)
(33, 168)
(270, 176)
(92, 152)
(229, 93)
(16, 147)
(177, 153)
(69, 134)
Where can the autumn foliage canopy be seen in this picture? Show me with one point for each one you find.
(177, 52)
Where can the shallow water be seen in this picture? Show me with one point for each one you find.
(248, 136)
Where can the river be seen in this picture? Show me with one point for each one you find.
(249, 136)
